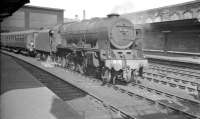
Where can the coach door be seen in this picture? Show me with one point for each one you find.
(30, 41)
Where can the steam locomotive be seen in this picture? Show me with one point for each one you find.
(109, 48)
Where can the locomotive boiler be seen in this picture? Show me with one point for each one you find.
(108, 47)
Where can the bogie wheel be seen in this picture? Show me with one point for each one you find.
(106, 75)
(32, 54)
(63, 62)
(80, 69)
(72, 66)
(40, 54)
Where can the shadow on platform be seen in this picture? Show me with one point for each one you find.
(61, 110)
(13, 76)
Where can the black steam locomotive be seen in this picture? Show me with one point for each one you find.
(107, 47)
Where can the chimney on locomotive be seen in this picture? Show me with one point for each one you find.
(113, 15)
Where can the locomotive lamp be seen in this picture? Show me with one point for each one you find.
(32, 44)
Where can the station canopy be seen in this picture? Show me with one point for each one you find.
(7, 7)
(174, 25)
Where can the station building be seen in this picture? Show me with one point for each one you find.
(174, 28)
(32, 17)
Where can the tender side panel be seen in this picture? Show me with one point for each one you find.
(42, 42)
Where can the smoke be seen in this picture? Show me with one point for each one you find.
(125, 7)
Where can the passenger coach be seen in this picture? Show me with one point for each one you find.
(20, 41)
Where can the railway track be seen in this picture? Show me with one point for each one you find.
(172, 110)
(184, 65)
(173, 77)
(183, 83)
(176, 70)
(168, 104)
(164, 104)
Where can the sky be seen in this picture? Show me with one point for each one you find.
(100, 8)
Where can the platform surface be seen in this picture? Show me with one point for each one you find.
(23, 97)
(134, 107)
(185, 59)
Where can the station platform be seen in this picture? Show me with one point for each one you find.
(133, 106)
(23, 97)
(181, 59)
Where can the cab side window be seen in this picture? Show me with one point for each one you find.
(138, 33)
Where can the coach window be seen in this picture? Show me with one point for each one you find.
(157, 19)
(138, 33)
(19, 36)
(175, 16)
(22, 36)
(149, 20)
(16, 37)
(187, 15)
